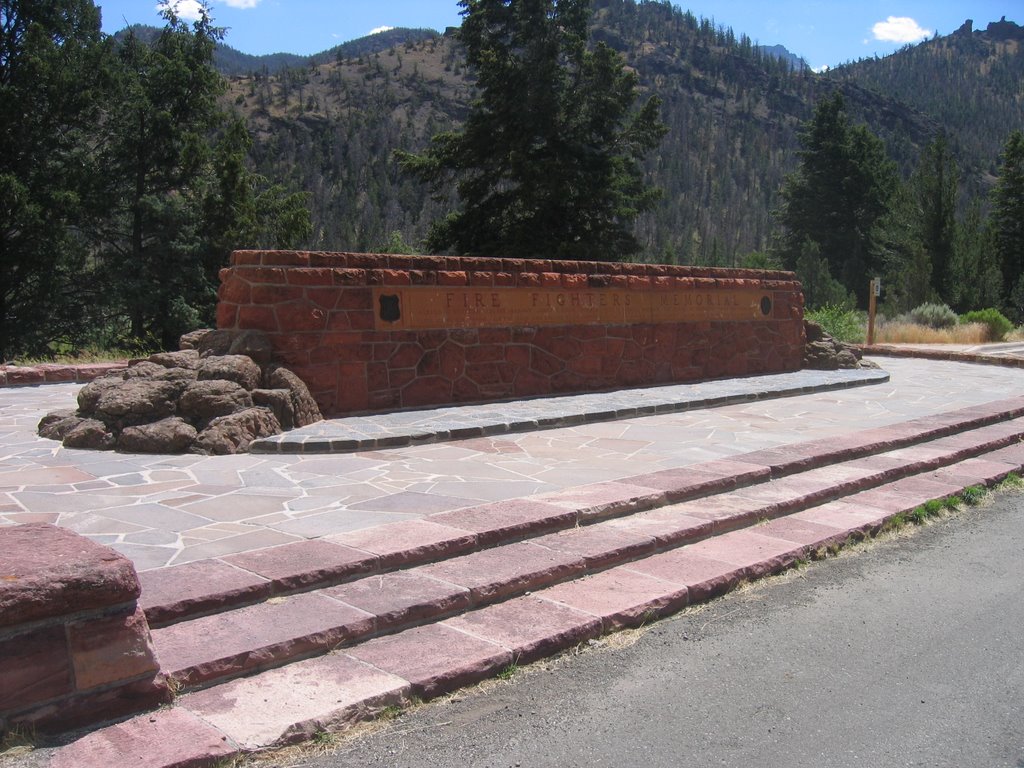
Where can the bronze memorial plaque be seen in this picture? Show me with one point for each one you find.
(430, 307)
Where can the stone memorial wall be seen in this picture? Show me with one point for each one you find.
(374, 332)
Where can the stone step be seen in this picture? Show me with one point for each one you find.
(205, 587)
(331, 691)
(221, 646)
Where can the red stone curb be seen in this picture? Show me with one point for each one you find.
(55, 373)
(940, 354)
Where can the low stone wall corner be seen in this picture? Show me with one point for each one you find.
(75, 647)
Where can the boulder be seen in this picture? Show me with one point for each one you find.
(206, 400)
(148, 370)
(237, 368)
(305, 407)
(824, 353)
(137, 401)
(91, 393)
(280, 402)
(54, 426)
(171, 435)
(193, 339)
(232, 434)
(846, 359)
(91, 434)
(185, 358)
(215, 395)
(253, 344)
(814, 331)
(216, 343)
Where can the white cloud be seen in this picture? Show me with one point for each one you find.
(188, 10)
(900, 29)
(242, 3)
(378, 30)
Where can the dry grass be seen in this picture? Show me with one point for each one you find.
(911, 333)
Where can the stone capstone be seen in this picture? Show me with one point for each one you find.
(207, 398)
(70, 574)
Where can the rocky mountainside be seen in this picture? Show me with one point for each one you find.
(331, 124)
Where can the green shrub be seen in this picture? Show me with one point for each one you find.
(839, 322)
(932, 315)
(998, 325)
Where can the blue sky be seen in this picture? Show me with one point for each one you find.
(825, 32)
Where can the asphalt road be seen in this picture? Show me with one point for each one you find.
(907, 652)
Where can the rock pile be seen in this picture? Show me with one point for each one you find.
(824, 353)
(216, 395)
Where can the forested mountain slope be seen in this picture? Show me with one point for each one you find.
(733, 110)
(971, 83)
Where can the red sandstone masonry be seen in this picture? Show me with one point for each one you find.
(75, 648)
(321, 314)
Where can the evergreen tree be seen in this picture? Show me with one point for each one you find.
(548, 163)
(156, 152)
(935, 185)
(905, 268)
(838, 197)
(180, 198)
(52, 71)
(1007, 221)
(977, 280)
(242, 209)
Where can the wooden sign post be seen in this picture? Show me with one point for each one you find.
(874, 291)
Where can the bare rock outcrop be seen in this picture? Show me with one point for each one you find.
(216, 395)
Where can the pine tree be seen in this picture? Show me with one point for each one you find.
(1007, 222)
(935, 186)
(838, 196)
(548, 163)
(181, 194)
(52, 71)
(156, 150)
